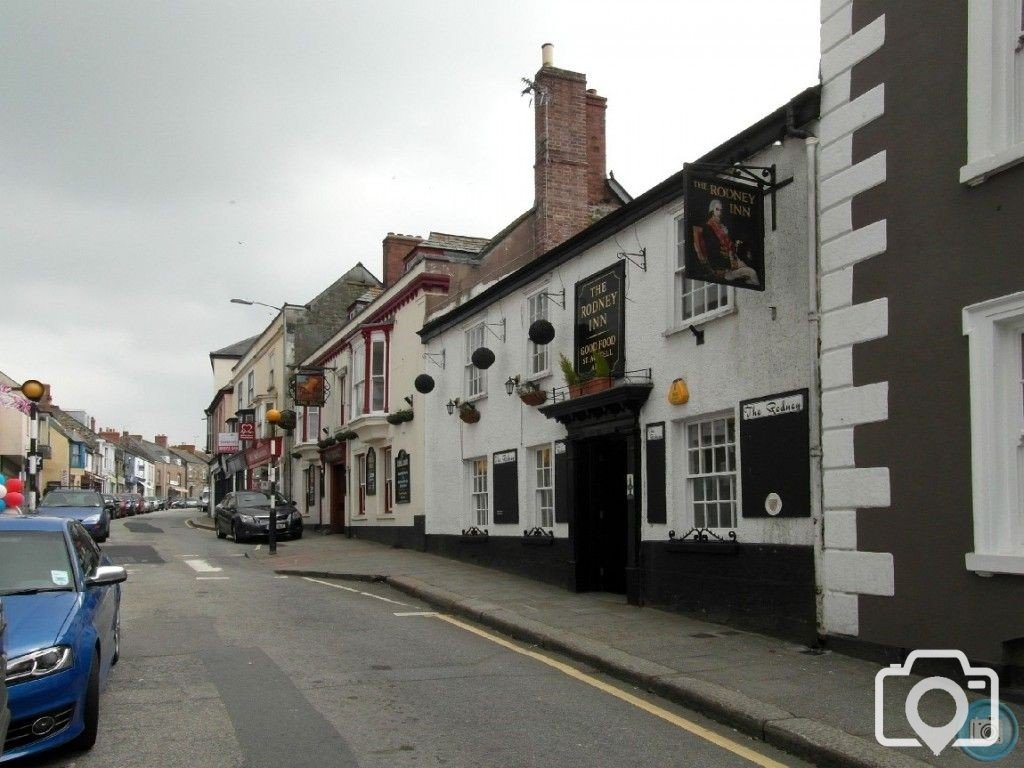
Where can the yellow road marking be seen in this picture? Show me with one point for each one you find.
(680, 722)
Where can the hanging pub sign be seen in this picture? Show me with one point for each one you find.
(601, 320)
(724, 230)
(403, 486)
(309, 388)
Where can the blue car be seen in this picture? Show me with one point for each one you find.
(62, 601)
(5, 713)
(87, 507)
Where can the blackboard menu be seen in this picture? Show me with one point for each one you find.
(403, 489)
(371, 472)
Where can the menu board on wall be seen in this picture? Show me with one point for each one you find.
(371, 472)
(403, 490)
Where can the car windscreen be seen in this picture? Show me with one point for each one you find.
(34, 561)
(72, 499)
(258, 499)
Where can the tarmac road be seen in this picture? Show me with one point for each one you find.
(225, 664)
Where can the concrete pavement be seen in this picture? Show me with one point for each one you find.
(817, 705)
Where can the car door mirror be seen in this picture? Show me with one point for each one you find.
(105, 575)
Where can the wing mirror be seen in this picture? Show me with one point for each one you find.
(104, 575)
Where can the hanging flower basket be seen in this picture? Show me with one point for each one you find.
(399, 417)
(345, 434)
(468, 413)
(327, 442)
(296, 455)
(533, 396)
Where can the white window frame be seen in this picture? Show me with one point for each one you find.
(712, 472)
(311, 423)
(544, 485)
(358, 377)
(994, 330)
(479, 495)
(239, 395)
(378, 337)
(995, 88)
(475, 379)
(725, 294)
(250, 380)
(538, 357)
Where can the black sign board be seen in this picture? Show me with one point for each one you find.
(403, 487)
(775, 455)
(724, 231)
(655, 444)
(371, 472)
(506, 487)
(601, 320)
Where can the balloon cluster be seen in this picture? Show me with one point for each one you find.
(11, 492)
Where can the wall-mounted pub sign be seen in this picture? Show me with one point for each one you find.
(775, 446)
(403, 484)
(724, 223)
(371, 472)
(601, 320)
(309, 388)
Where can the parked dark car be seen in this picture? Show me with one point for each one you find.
(113, 505)
(245, 514)
(62, 600)
(86, 507)
(5, 712)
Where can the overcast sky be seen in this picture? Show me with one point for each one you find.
(160, 158)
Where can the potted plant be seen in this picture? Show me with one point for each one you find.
(468, 413)
(573, 380)
(345, 434)
(531, 394)
(398, 417)
(602, 376)
(296, 455)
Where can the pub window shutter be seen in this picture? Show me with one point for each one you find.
(506, 487)
(656, 473)
(561, 482)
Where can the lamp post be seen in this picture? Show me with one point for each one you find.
(33, 391)
(273, 416)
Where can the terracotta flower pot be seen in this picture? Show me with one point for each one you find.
(591, 386)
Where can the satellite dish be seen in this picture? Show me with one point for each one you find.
(482, 358)
(541, 332)
(424, 383)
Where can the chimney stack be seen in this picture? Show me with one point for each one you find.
(569, 163)
(396, 248)
(161, 440)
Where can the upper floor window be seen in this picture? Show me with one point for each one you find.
(270, 381)
(358, 378)
(694, 299)
(251, 385)
(995, 87)
(378, 373)
(310, 423)
(537, 309)
(996, 332)
(476, 379)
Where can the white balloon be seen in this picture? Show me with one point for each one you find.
(3, 491)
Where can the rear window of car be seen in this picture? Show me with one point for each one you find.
(258, 499)
(72, 499)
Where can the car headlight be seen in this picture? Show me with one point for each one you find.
(247, 519)
(39, 663)
(91, 520)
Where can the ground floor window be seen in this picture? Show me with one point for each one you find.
(544, 494)
(478, 491)
(711, 472)
(310, 488)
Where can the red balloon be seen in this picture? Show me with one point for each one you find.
(14, 499)
(15, 485)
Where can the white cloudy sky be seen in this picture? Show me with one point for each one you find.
(160, 158)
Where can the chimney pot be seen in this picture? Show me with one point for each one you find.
(547, 55)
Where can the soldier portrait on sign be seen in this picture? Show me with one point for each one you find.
(724, 231)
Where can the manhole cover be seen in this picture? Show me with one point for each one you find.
(128, 554)
(143, 528)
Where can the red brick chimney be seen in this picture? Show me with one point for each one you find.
(110, 435)
(161, 440)
(569, 164)
(396, 248)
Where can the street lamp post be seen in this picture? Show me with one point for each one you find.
(273, 416)
(33, 391)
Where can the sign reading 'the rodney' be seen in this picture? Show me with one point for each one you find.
(601, 319)
(775, 446)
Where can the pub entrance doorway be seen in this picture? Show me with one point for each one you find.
(337, 498)
(601, 533)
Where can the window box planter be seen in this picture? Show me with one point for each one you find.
(327, 442)
(399, 417)
(345, 434)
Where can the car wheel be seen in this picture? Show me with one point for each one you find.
(87, 738)
(117, 639)
(220, 533)
(235, 534)
(297, 535)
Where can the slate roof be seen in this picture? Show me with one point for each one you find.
(73, 428)
(448, 242)
(237, 349)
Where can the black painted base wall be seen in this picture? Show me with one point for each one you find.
(761, 587)
(403, 536)
(549, 563)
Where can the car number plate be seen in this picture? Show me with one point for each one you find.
(282, 525)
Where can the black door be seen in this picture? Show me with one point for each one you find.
(602, 531)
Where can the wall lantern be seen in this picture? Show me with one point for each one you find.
(510, 384)
(541, 332)
(424, 383)
(678, 392)
(482, 358)
(450, 406)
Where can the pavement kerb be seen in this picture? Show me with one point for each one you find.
(200, 522)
